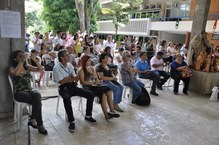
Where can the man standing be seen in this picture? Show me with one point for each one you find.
(57, 40)
(36, 41)
(118, 57)
(65, 76)
(157, 66)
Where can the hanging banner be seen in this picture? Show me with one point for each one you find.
(10, 24)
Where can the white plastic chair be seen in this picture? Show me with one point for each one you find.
(145, 81)
(18, 107)
(80, 105)
(47, 59)
(47, 77)
(125, 92)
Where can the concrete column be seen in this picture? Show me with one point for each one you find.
(200, 17)
(199, 22)
(7, 46)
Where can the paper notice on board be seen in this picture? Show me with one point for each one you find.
(10, 24)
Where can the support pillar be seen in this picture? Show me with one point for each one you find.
(199, 22)
(7, 46)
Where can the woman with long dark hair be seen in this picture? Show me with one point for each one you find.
(110, 80)
(86, 74)
(20, 73)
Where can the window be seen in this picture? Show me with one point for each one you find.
(144, 15)
(138, 15)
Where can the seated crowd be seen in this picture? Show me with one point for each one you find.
(82, 58)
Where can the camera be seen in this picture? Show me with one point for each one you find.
(41, 36)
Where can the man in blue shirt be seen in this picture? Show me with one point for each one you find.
(142, 68)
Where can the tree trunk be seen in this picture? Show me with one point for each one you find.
(116, 34)
(90, 7)
(81, 13)
(88, 25)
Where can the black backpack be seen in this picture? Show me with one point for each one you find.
(144, 98)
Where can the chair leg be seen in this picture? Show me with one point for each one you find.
(57, 106)
(124, 92)
(15, 112)
(80, 106)
(19, 115)
(47, 78)
(130, 95)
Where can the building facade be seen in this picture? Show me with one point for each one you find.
(159, 18)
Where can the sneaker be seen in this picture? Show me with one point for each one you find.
(90, 119)
(71, 127)
(42, 130)
(185, 93)
(175, 93)
(113, 114)
(33, 123)
(154, 93)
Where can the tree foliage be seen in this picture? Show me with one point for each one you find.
(118, 13)
(33, 20)
(60, 15)
(133, 3)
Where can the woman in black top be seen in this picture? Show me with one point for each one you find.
(86, 73)
(110, 80)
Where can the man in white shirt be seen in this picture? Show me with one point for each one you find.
(36, 41)
(64, 75)
(109, 42)
(57, 40)
(157, 66)
(118, 58)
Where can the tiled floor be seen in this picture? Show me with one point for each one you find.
(169, 120)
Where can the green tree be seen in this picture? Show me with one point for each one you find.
(132, 3)
(91, 7)
(87, 14)
(60, 15)
(81, 13)
(119, 15)
(33, 21)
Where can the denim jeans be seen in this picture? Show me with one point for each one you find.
(117, 91)
(136, 86)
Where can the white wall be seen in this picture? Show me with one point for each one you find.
(175, 38)
(184, 26)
